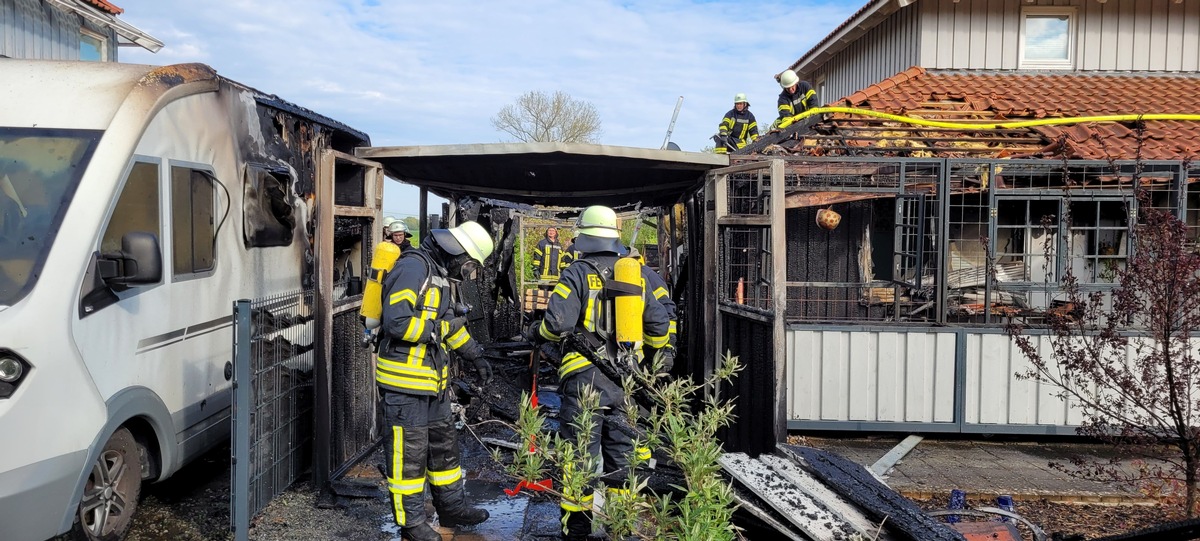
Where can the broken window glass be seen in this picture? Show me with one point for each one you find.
(267, 210)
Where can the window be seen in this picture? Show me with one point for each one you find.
(1099, 239)
(1026, 246)
(137, 207)
(92, 46)
(1047, 38)
(193, 224)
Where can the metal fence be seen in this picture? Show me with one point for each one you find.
(964, 240)
(272, 399)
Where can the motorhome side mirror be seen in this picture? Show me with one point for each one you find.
(138, 263)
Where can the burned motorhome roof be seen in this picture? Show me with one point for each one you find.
(997, 97)
(561, 174)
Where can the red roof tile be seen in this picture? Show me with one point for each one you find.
(106, 6)
(1009, 96)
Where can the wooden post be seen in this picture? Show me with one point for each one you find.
(322, 386)
(778, 232)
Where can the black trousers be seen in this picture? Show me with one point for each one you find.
(607, 442)
(422, 446)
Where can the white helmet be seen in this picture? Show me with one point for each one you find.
(469, 238)
(740, 97)
(387, 220)
(597, 228)
(788, 78)
(398, 226)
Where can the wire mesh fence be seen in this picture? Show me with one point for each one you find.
(273, 398)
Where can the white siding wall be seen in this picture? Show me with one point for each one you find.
(870, 376)
(882, 52)
(1118, 35)
(31, 29)
(996, 396)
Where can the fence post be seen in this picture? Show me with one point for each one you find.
(240, 486)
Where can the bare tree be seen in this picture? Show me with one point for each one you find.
(540, 117)
(1128, 362)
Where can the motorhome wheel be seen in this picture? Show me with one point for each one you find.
(111, 493)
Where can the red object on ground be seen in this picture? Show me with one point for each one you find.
(987, 531)
(536, 486)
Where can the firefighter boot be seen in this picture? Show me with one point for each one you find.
(464, 516)
(421, 532)
(579, 525)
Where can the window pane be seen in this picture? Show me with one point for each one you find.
(1046, 37)
(137, 207)
(192, 204)
(91, 48)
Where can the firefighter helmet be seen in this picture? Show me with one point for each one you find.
(740, 97)
(397, 226)
(468, 237)
(598, 221)
(788, 78)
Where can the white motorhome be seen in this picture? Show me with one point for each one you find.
(137, 203)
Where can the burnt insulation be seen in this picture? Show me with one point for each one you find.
(753, 389)
(877, 501)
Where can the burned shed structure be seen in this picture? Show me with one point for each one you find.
(964, 201)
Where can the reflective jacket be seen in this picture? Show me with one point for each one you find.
(416, 333)
(547, 259)
(657, 286)
(578, 304)
(738, 127)
(791, 105)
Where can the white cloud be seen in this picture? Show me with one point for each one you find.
(411, 73)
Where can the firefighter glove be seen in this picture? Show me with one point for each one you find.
(667, 357)
(483, 369)
(533, 333)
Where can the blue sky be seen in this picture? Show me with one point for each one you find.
(429, 73)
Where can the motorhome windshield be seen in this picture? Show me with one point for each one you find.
(39, 172)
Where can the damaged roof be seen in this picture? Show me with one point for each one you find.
(548, 174)
(979, 97)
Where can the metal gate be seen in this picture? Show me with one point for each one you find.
(747, 248)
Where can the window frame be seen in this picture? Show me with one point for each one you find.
(163, 250)
(102, 48)
(1072, 28)
(170, 202)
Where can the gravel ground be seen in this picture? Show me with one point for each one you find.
(1091, 521)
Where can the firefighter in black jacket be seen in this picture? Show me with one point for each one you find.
(657, 287)
(547, 256)
(797, 97)
(738, 128)
(579, 305)
(420, 327)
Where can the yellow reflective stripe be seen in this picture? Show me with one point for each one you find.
(583, 504)
(643, 453)
(416, 354)
(406, 486)
(672, 327)
(807, 95)
(787, 108)
(407, 383)
(433, 298)
(562, 290)
(573, 362)
(397, 469)
(416, 326)
(588, 321)
(537, 252)
(404, 294)
(459, 338)
(545, 333)
(660, 292)
(445, 477)
(656, 341)
(418, 370)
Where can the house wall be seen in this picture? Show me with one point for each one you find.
(33, 29)
(887, 49)
(1118, 35)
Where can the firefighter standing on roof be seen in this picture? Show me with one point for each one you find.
(797, 97)
(738, 128)
(579, 305)
(420, 327)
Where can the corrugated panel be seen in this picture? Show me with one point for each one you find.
(884, 376)
(995, 395)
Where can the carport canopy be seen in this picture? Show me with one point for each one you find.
(548, 174)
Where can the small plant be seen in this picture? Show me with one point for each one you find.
(705, 512)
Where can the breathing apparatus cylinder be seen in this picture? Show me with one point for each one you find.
(382, 261)
(628, 308)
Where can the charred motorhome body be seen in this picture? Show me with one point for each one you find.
(139, 203)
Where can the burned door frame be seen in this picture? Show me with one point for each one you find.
(327, 210)
(765, 223)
